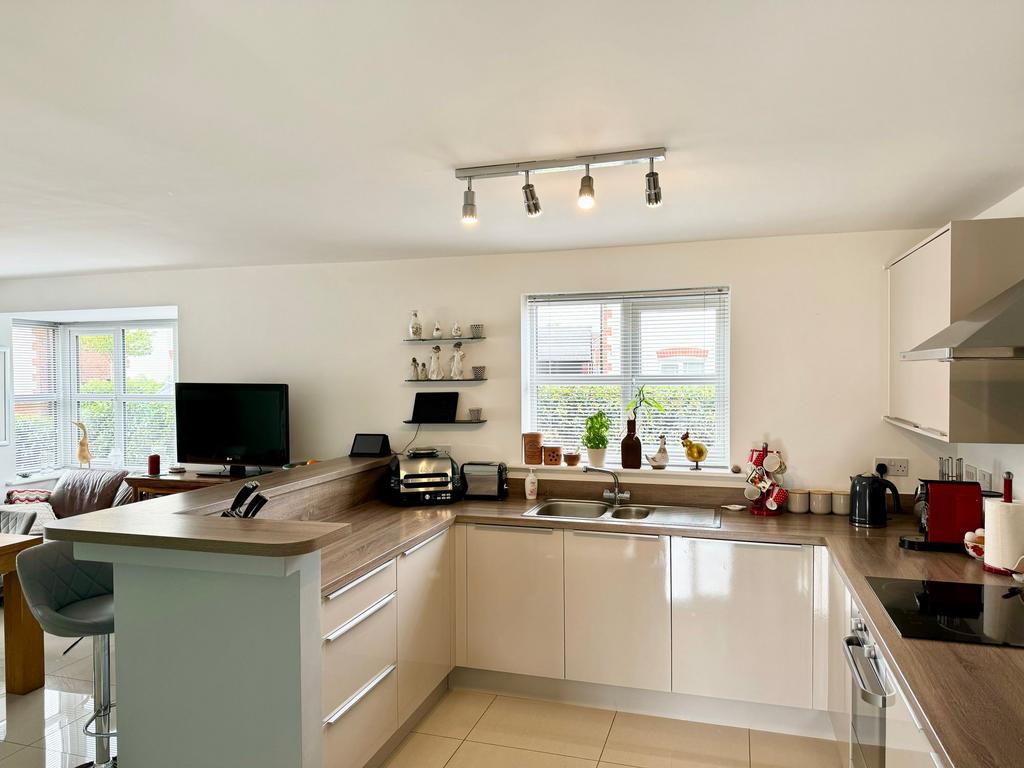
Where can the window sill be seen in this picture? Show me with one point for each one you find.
(671, 476)
(29, 482)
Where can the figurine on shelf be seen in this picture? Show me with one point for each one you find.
(414, 372)
(415, 326)
(436, 374)
(458, 356)
(456, 330)
(695, 452)
(660, 458)
(423, 372)
(438, 333)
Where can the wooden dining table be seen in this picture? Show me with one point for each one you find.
(23, 637)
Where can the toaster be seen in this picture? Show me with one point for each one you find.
(485, 479)
(423, 476)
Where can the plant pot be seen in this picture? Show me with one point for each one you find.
(595, 456)
(632, 449)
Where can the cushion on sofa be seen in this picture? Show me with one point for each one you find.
(28, 495)
(85, 490)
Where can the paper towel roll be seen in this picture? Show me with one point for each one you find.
(1004, 534)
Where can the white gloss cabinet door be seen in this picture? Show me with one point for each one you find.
(618, 609)
(424, 621)
(742, 620)
(838, 673)
(514, 600)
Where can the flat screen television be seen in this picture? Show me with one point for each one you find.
(237, 425)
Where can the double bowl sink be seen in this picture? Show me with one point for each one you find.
(569, 509)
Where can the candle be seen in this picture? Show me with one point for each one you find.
(154, 464)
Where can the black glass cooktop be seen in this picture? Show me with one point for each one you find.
(955, 613)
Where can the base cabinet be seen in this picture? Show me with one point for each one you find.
(515, 600)
(618, 609)
(742, 620)
(424, 621)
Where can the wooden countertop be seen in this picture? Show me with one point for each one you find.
(967, 697)
(192, 521)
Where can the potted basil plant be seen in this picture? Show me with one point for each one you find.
(595, 438)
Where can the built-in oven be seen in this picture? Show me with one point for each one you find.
(872, 694)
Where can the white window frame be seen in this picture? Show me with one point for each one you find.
(630, 377)
(68, 362)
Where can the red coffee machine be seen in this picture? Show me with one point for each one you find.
(949, 509)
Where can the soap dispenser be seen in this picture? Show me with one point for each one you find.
(531, 485)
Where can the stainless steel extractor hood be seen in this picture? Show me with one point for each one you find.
(994, 331)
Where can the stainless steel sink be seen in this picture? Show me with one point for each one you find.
(571, 509)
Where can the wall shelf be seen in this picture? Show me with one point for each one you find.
(444, 381)
(445, 423)
(444, 340)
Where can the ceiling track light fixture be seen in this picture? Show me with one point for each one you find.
(585, 199)
(530, 199)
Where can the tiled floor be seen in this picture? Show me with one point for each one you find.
(468, 729)
(43, 729)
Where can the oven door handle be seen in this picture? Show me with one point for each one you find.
(872, 691)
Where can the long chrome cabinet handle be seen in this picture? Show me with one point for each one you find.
(359, 618)
(357, 582)
(879, 697)
(620, 534)
(358, 696)
(768, 544)
(424, 543)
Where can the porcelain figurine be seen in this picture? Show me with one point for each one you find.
(415, 326)
(695, 452)
(423, 372)
(458, 356)
(456, 330)
(414, 371)
(438, 333)
(660, 458)
(84, 454)
(435, 374)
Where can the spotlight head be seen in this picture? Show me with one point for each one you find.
(469, 207)
(530, 199)
(653, 188)
(586, 197)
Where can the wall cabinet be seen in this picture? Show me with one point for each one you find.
(424, 621)
(939, 281)
(742, 616)
(514, 600)
(618, 609)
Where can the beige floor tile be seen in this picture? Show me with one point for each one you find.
(779, 750)
(475, 755)
(455, 714)
(30, 757)
(659, 742)
(561, 729)
(422, 751)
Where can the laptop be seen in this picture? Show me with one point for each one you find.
(435, 407)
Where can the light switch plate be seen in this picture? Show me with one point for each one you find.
(897, 467)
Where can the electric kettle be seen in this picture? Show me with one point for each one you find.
(867, 500)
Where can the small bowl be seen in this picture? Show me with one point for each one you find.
(572, 459)
(975, 550)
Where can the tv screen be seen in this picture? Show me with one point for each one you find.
(233, 424)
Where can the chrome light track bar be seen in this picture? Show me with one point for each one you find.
(599, 160)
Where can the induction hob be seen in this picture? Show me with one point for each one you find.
(953, 612)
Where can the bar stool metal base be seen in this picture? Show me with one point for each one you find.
(102, 703)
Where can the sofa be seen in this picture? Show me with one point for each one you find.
(78, 492)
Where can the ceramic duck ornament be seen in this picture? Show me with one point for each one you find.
(695, 452)
(84, 454)
(458, 356)
(435, 373)
(660, 458)
(415, 326)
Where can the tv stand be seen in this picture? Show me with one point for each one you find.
(236, 472)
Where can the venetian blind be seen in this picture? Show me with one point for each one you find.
(36, 396)
(591, 352)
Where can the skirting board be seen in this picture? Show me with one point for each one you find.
(762, 717)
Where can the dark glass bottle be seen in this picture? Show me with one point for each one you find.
(632, 449)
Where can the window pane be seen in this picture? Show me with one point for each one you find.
(35, 436)
(149, 428)
(98, 417)
(688, 407)
(678, 341)
(149, 361)
(95, 353)
(578, 338)
(562, 410)
(35, 360)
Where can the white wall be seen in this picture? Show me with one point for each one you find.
(808, 338)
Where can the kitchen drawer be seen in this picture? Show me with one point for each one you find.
(357, 650)
(369, 720)
(356, 596)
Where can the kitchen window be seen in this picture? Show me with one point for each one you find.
(117, 379)
(589, 352)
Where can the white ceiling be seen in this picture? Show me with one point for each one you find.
(197, 133)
